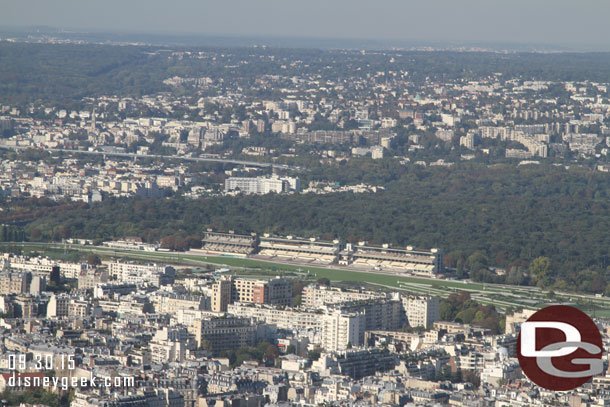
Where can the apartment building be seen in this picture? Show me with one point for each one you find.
(276, 291)
(224, 333)
(153, 274)
(341, 330)
(91, 277)
(316, 296)
(262, 185)
(357, 363)
(58, 306)
(421, 311)
(228, 290)
(378, 314)
(172, 303)
(14, 282)
(286, 319)
(62, 305)
(222, 294)
(25, 306)
(71, 270)
(338, 328)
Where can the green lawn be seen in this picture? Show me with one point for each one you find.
(502, 296)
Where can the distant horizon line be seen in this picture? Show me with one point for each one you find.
(314, 42)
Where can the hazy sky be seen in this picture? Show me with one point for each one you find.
(568, 22)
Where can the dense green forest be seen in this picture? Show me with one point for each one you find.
(63, 73)
(480, 216)
(460, 307)
(35, 397)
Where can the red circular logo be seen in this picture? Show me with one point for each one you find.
(560, 348)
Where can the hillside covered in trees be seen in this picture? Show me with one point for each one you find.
(480, 216)
(31, 72)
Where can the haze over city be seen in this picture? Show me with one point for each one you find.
(576, 25)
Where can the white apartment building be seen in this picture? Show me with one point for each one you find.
(34, 265)
(71, 270)
(342, 330)
(262, 185)
(338, 328)
(132, 273)
(467, 141)
(187, 317)
(167, 351)
(421, 311)
(493, 374)
(63, 305)
(286, 319)
(315, 296)
(58, 306)
(171, 304)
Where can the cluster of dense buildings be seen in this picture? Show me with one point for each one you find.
(341, 318)
(165, 339)
(88, 182)
(523, 116)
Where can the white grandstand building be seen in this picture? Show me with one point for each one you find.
(392, 259)
(228, 243)
(300, 250)
(320, 252)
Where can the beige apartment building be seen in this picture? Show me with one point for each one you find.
(228, 290)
